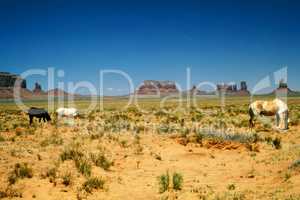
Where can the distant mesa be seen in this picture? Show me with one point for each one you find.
(8, 81)
(57, 92)
(194, 91)
(231, 89)
(152, 87)
(283, 90)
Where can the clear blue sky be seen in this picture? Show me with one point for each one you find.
(220, 41)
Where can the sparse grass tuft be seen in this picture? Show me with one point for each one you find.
(83, 166)
(231, 187)
(295, 165)
(21, 170)
(2, 139)
(101, 161)
(67, 179)
(276, 143)
(53, 139)
(71, 154)
(93, 184)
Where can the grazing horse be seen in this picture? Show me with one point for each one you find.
(270, 108)
(67, 112)
(39, 113)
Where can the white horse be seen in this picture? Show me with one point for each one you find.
(67, 112)
(270, 108)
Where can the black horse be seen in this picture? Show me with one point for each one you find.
(39, 113)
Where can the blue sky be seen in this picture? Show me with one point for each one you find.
(221, 41)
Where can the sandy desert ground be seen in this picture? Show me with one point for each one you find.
(203, 153)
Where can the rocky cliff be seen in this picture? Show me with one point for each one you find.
(152, 87)
(8, 80)
(232, 89)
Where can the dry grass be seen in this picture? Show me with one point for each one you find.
(217, 156)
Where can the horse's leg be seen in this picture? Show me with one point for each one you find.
(286, 119)
(30, 119)
(40, 119)
(282, 120)
(277, 119)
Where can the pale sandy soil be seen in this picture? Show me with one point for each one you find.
(207, 171)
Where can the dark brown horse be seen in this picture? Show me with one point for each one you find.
(39, 113)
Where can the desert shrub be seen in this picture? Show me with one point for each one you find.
(238, 137)
(18, 131)
(199, 137)
(197, 116)
(292, 197)
(31, 130)
(276, 143)
(93, 183)
(101, 161)
(83, 166)
(67, 179)
(21, 170)
(138, 149)
(230, 196)
(160, 113)
(231, 187)
(3, 194)
(184, 131)
(124, 143)
(157, 157)
(96, 135)
(10, 193)
(164, 181)
(71, 154)
(244, 123)
(295, 165)
(177, 181)
(287, 176)
(52, 172)
(53, 139)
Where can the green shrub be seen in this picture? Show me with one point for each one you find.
(53, 139)
(177, 181)
(295, 165)
(231, 187)
(276, 143)
(67, 179)
(93, 183)
(71, 154)
(101, 161)
(164, 181)
(52, 172)
(21, 170)
(83, 166)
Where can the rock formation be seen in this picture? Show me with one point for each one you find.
(37, 88)
(151, 87)
(284, 90)
(231, 89)
(8, 80)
